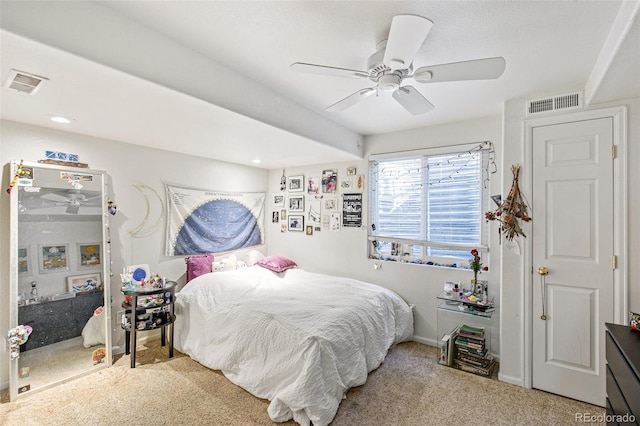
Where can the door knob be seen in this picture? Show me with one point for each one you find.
(543, 271)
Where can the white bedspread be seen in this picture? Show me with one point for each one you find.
(298, 339)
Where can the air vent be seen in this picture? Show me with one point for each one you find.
(555, 103)
(24, 82)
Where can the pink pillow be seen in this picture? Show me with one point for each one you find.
(198, 265)
(276, 263)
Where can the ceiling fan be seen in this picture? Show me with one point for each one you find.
(392, 63)
(73, 200)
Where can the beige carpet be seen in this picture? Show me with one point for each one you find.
(410, 388)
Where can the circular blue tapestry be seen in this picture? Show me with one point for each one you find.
(217, 226)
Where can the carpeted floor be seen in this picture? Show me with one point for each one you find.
(410, 388)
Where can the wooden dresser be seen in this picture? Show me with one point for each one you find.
(623, 375)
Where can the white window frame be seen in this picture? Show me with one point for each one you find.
(375, 238)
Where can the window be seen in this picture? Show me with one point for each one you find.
(428, 205)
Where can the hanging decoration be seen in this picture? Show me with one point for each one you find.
(283, 181)
(139, 230)
(15, 177)
(18, 336)
(512, 210)
(200, 221)
(111, 207)
(489, 165)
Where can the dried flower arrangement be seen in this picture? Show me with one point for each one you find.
(512, 210)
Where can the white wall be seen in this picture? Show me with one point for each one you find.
(512, 367)
(126, 165)
(33, 234)
(345, 252)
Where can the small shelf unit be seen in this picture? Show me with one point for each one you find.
(146, 310)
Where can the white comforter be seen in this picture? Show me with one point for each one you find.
(298, 339)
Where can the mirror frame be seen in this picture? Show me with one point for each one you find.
(14, 393)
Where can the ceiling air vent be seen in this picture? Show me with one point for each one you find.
(555, 103)
(24, 82)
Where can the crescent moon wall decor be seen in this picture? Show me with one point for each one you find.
(140, 231)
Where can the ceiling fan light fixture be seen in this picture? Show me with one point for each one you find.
(389, 82)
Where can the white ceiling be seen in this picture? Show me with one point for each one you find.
(212, 78)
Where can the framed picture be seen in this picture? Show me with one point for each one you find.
(351, 171)
(330, 204)
(296, 183)
(23, 260)
(275, 217)
(313, 185)
(296, 222)
(309, 229)
(314, 212)
(278, 200)
(53, 258)
(346, 184)
(329, 180)
(84, 283)
(296, 203)
(89, 256)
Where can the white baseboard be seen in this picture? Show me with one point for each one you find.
(510, 379)
(425, 341)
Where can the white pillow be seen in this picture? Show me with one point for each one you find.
(252, 257)
(230, 263)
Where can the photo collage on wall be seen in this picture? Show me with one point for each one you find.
(321, 202)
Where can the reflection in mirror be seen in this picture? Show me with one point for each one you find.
(60, 275)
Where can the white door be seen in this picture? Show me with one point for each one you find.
(572, 204)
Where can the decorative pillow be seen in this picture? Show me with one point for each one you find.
(252, 257)
(198, 265)
(230, 263)
(276, 263)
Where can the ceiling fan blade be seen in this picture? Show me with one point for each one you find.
(55, 197)
(95, 197)
(478, 69)
(406, 35)
(412, 100)
(327, 70)
(352, 99)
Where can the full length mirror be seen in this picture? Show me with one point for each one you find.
(59, 275)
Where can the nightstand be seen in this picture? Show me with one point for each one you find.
(154, 309)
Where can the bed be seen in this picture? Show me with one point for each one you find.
(296, 338)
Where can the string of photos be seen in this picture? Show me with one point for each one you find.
(512, 210)
(489, 165)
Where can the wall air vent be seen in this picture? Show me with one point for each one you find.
(24, 82)
(555, 103)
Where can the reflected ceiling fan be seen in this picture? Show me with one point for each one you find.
(392, 63)
(73, 200)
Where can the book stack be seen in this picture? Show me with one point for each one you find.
(471, 352)
(446, 354)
